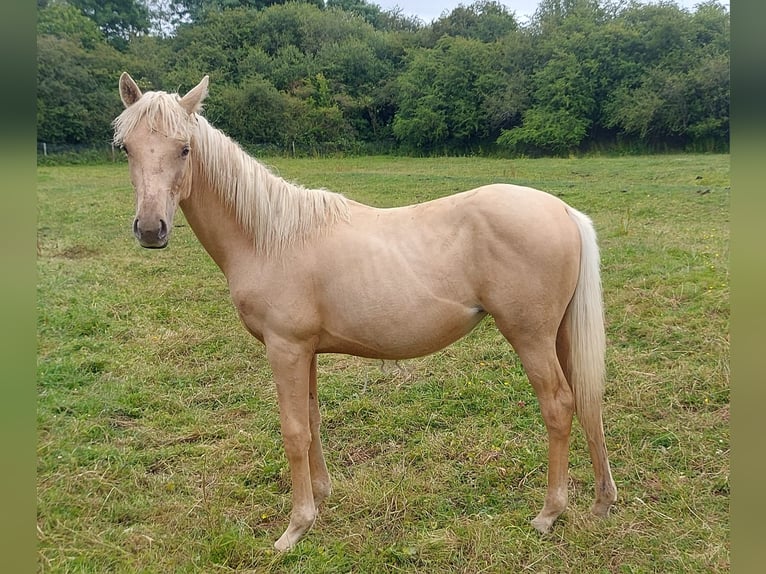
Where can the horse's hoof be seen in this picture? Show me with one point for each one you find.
(601, 509)
(542, 525)
(293, 535)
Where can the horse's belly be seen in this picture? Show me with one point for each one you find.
(398, 334)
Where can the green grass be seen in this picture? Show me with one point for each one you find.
(159, 447)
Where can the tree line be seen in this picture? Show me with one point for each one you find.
(346, 75)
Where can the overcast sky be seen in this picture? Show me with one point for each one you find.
(428, 10)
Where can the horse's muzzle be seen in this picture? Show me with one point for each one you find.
(151, 235)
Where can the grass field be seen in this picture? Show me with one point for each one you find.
(158, 435)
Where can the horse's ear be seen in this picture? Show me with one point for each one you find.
(129, 90)
(192, 101)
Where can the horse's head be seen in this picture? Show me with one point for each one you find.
(155, 130)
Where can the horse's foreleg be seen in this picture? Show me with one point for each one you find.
(291, 366)
(320, 478)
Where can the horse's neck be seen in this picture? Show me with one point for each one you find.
(238, 207)
(216, 227)
(213, 220)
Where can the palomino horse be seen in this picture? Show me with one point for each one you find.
(313, 272)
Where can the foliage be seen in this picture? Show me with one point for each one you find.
(444, 94)
(484, 20)
(560, 120)
(582, 74)
(66, 22)
(158, 430)
(119, 20)
(545, 132)
(676, 96)
(72, 106)
(255, 112)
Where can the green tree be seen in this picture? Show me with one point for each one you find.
(64, 21)
(391, 20)
(149, 59)
(76, 95)
(196, 10)
(485, 20)
(677, 91)
(318, 123)
(119, 20)
(253, 112)
(545, 132)
(708, 91)
(165, 16)
(292, 45)
(354, 65)
(329, 76)
(76, 78)
(217, 46)
(444, 94)
(368, 11)
(563, 82)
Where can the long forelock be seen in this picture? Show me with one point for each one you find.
(160, 111)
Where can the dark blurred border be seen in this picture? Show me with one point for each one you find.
(18, 284)
(748, 271)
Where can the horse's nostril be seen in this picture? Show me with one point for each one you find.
(154, 235)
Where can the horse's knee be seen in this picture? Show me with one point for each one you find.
(296, 442)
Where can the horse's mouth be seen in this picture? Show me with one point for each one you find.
(153, 245)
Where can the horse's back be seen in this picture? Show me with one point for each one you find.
(474, 231)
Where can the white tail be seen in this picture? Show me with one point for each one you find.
(586, 326)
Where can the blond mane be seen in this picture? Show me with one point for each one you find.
(274, 212)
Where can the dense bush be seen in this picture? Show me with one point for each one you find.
(344, 75)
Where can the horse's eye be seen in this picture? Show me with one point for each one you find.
(185, 151)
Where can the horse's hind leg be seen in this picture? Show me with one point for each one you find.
(557, 406)
(606, 491)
